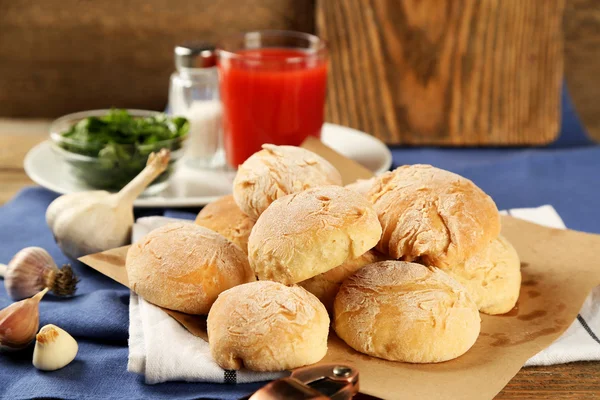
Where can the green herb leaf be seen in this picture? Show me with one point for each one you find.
(122, 143)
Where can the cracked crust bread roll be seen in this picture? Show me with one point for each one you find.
(277, 171)
(326, 285)
(492, 277)
(184, 267)
(307, 233)
(267, 326)
(433, 215)
(402, 311)
(225, 217)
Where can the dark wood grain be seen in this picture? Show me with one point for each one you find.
(59, 56)
(582, 60)
(461, 72)
(575, 381)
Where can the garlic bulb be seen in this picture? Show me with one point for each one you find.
(19, 323)
(33, 269)
(54, 348)
(90, 222)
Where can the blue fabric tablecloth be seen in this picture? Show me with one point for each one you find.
(566, 175)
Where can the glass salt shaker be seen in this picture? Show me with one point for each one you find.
(194, 94)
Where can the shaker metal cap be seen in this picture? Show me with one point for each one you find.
(195, 55)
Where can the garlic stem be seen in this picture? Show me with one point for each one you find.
(61, 281)
(3, 269)
(38, 297)
(156, 165)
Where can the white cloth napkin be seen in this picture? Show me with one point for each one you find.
(580, 341)
(162, 350)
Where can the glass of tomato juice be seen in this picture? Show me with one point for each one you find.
(272, 86)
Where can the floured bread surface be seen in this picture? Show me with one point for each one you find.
(277, 171)
(225, 217)
(267, 326)
(492, 277)
(326, 285)
(184, 267)
(404, 311)
(362, 186)
(432, 214)
(305, 234)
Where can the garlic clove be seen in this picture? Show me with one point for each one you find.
(33, 269)
(54, 348)
(19, 323)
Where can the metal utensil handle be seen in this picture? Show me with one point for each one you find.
(320, 382)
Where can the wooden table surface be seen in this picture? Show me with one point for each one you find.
(570, 381)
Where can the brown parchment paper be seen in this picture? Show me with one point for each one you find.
(559, 268)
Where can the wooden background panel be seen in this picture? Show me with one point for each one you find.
(59, 56)
(582, 60)
(462, 72)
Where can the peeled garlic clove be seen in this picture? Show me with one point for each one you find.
(33, 269)
(19, 323)
(54, 348)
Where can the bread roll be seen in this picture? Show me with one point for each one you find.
(432, 214)
(326, 285)
(267, 326)
(362, 186)
(184, 267)
(403, 311)
(277, 171)
(492, 277)
(305, 234)
(225, 217)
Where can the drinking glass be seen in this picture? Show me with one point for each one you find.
(272, 87)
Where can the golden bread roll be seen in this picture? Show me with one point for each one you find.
(404, 311)
(277, 171)
(362, 186)
(267, 326)
(184, 267)
(432, 214)
(326, 285)
(225, 217)
(492, 277)
(307, 233)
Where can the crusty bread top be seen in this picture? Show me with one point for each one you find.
(406, 312)
(277, 171)
(304, 234)
(267, 326)
(434, 214)
(392, 278)
(225, 217)
(252, 309)
(184, 267)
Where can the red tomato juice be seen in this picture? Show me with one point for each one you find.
(270, 95)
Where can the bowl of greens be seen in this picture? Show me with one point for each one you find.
(107, 148)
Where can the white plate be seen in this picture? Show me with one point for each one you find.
(190, 187)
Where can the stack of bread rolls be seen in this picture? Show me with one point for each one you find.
(402, 263)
